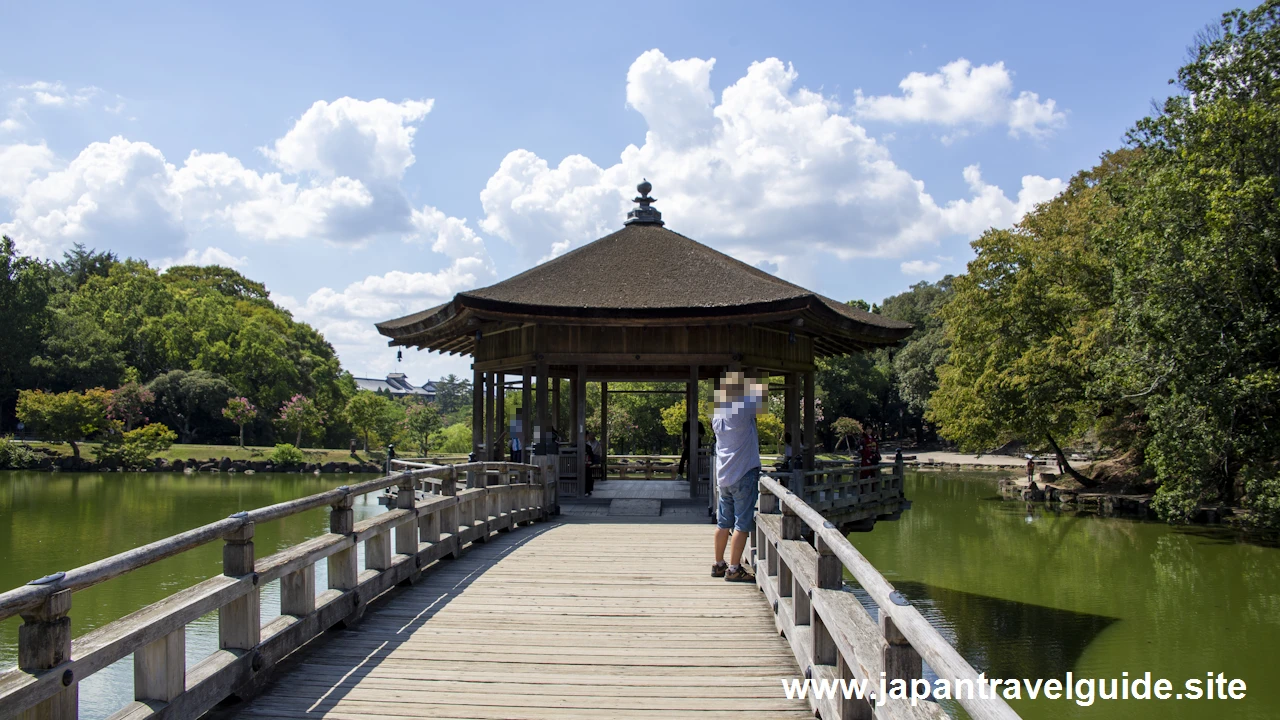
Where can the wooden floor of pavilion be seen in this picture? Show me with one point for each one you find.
(573, 619)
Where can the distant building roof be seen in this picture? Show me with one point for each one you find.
(397, 385)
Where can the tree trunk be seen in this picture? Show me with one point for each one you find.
(366, 441)
(298, 442)
(75, 451)
(1088, 482)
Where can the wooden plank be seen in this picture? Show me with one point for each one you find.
(582, 641)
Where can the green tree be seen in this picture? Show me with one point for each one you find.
(1028, 323)
(421, 422)
(64, 417)
(846, 428)
(454, 439)
(241, 412)
(453, 394)
(191, 402)
(1197, 279)
(79, 264)
(366, 412)
(300, 415)
(26, 286)
(134, 448)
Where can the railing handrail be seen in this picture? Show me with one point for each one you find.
(29, 596)
(399, 545)
(945, 661)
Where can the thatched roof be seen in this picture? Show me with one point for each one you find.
(643, 272)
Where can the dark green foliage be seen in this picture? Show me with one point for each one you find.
(1197, 268)
(192, 404)
(25, 288)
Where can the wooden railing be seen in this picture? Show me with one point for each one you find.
(831, 634)
(851, 494)
(465, 504)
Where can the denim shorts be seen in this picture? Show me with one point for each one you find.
(738, 503)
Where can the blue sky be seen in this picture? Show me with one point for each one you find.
(365, 163)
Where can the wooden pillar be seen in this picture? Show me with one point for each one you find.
(540, 429)
(558, 420)
(44, 642)
(900, 659)
(160, 668)
(691, 414)
(580, 423)
(488, 418)
(604, 430)
(526, 413)
(239, 621)
(810, 421)
(792, 403)
(500, 418)
(477, 412)
(572, 436)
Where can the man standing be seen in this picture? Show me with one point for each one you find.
(684, 445)
(738, 401)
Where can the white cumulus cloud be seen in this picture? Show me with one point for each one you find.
(961, 94)
(772, 173)
(919, 267)
(366, 140)
(990, 207)
(207, 256)
(114, 194)
(20, 164)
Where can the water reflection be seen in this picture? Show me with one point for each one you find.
(1096, 596)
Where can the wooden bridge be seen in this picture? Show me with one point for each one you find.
(477, 601)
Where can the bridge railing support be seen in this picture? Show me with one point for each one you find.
(801, 560)
(51, 663)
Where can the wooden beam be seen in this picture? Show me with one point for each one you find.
(580, 423)
(540, 434)
(489, 414)
(691, 415)
(604, 429)
(477, 411)
(500, 416)
(526, 413)
(792, 403)
(810, 421)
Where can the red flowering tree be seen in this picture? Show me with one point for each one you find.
(129, 403)
(241, 412)
(299, 415)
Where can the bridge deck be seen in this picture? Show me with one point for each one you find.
(568, 620)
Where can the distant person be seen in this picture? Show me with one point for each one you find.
(516, 431)
(1031, 468)
(684, 445)
(738, 401)
(593, 462)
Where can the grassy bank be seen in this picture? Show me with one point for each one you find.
(204, 452)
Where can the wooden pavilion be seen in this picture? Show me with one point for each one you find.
(641, 304)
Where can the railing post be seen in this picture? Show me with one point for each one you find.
(790, 531)
(451, 517)
(829, 577)
(298, 592)
(160, 668)
(44, 642)
(344, 569)
(407, 532)
(901, 661)
(240, 621)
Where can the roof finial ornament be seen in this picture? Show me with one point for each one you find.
(645, 214)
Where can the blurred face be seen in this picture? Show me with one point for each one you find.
(734, 385)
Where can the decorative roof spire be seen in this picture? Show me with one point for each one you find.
(644, 215)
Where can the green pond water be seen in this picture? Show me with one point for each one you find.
(1021, 592)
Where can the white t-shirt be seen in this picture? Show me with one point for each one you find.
(737, 444)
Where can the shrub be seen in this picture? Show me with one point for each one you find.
(286, 454)
(15, 455)
(134, 448)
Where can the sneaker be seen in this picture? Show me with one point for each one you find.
(739, 575)
(719, 569)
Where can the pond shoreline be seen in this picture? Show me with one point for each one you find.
(194, 465)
